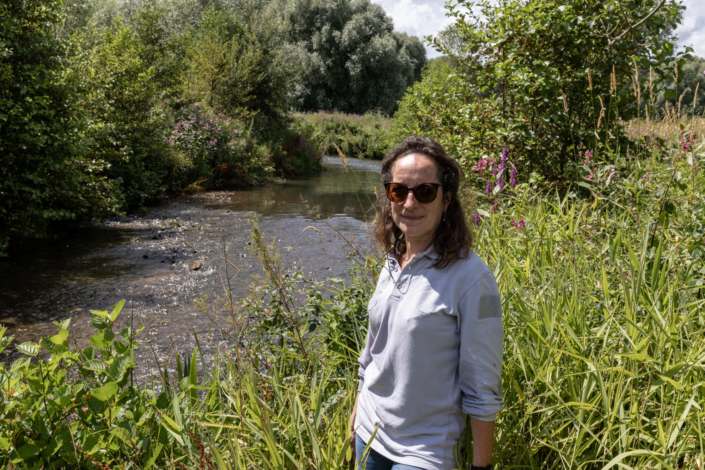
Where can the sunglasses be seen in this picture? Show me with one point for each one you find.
(423, 192)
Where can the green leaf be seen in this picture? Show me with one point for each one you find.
(29, 348)
(20, 363)
(193, 376)
(102, 340)
(119, 367)
(61, 337)
(28, 451)
(95, 364)
(106, 392)
(99, 322)
(115, 310)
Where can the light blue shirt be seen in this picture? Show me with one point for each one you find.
(433, 355)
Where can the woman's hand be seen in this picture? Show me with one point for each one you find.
(352, 428)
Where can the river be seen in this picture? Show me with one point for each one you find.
(163, 261)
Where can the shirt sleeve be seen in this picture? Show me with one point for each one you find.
(481, 349)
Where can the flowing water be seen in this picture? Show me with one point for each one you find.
(165, 260)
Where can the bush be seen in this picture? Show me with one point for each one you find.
(45, 174)
(362, 136)
(541, 78)
(119, 91)
(215, 151)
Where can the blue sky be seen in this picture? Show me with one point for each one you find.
(421, 18)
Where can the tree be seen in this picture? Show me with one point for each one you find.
(353, 61)
(545, 78)
(118, 94)
(691, 76)
(45, 176)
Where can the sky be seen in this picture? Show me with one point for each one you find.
(427, 17)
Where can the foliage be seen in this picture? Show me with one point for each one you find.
(544, 79)
(353, 60)
(119, 90)
(362, 136)
(243, 67)
(682, 98)
(45, 176)
(603, 301)
(214, 149)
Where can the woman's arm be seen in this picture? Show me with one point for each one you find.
(480, 363)
(353, 415)
(482, 440)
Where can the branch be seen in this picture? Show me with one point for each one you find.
(653, 12)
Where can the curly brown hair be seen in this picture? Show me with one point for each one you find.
(453, 239)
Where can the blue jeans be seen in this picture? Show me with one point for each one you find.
(375, 460)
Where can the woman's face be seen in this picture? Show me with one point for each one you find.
(417, 221)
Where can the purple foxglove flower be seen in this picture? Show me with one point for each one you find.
(477, 219)
(489, 188)
(513, 179)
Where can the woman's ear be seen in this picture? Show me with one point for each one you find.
(446, 201)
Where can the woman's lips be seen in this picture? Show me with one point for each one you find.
(412, 217)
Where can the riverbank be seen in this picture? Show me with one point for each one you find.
(166, 259)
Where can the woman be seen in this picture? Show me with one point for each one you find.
(434, 343)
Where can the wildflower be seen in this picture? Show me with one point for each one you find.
(589, 177)
(477, 219)
(513, 178)
(489, 188)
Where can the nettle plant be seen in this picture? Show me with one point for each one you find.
(78, 408)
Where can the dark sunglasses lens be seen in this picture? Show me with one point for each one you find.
(425, 193)
(397, 192)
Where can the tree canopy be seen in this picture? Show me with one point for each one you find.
(353, 60)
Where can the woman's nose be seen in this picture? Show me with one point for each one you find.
(410, 200)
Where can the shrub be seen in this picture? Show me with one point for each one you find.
(542, 78)
(119, 91)
(45, 174)
(362, 136)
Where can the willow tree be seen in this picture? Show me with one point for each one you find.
(353, 60)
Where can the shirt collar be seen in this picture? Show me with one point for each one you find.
(430, 253)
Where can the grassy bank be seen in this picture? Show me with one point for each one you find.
(356, 135)
(602, 288)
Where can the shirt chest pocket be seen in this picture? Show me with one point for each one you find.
(424, 300)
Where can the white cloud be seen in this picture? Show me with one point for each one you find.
(692, 31)
(422, 18)
(417, 18)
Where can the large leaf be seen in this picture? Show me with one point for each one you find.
(106, 392)
(29, 348)
(115, 310)
(102, 340)
(60, 337)
(99, 321)
(119, 367)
